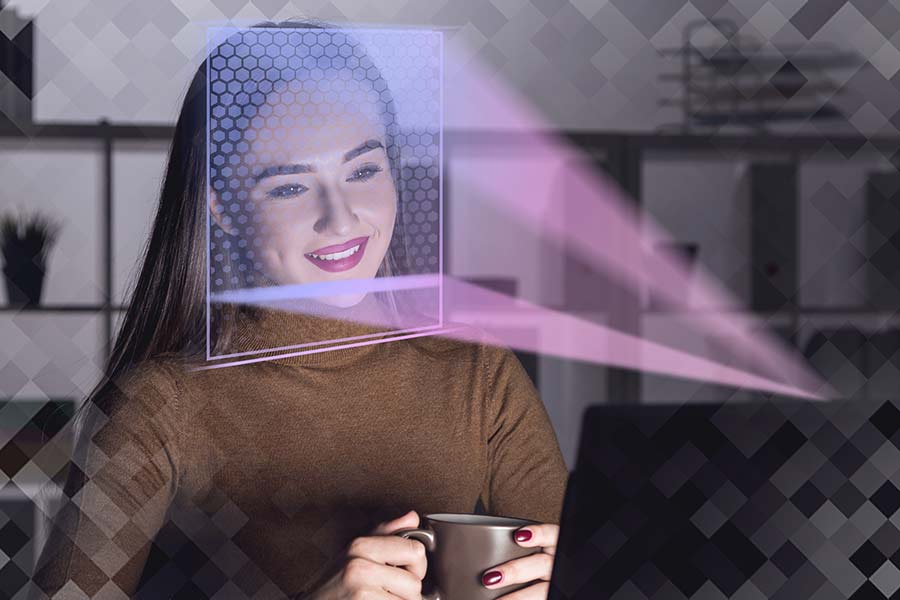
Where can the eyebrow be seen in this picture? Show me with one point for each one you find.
(294, 169)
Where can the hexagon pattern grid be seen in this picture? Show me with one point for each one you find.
(265, 81)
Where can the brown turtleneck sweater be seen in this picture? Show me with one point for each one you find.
(249, 481)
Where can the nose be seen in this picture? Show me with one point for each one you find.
(338, 216)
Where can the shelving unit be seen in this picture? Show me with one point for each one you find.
(107, 133)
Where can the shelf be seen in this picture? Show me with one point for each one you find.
(800, 312)
(463, 137)
(776, 60)
(61, 308)
(825, 57)
(826, 111)
(98, 131)
(55, 401)
(809, 144)
(751, 94)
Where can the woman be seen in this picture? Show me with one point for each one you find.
(286, 477)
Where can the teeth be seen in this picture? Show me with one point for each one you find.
(336, 255)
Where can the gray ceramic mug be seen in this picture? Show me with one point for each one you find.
(462, 547)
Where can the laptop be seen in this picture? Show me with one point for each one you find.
(772, 499)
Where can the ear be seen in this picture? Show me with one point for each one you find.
(217, 210)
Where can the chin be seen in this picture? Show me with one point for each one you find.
(343, 300)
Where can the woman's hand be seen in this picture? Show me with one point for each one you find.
(380, 566)
(535, 567)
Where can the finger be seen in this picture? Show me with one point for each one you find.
(391, 550)
(544, 535)
(363, 574)
(538, 591)
(376, 594)
(410, 519)
(519, 570)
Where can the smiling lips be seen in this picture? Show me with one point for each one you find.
(339, 257)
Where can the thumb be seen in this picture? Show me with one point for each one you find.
(410, 519)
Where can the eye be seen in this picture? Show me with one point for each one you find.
(365, 172)
(288, 190)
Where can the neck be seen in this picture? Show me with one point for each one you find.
(301, 324)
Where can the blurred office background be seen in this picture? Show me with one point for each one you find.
(790, 200)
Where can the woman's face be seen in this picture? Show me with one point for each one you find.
(323, 196)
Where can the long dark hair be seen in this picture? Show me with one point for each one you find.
(166, 314)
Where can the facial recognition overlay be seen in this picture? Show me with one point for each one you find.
(324, 149)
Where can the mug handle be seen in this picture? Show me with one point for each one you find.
(426, 536)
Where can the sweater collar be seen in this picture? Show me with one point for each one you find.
(310, 333)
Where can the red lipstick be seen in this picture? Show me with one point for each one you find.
(324, 257)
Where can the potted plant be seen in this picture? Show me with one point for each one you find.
(25, 241)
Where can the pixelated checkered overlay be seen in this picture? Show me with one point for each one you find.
(277, 97)
(743, 500)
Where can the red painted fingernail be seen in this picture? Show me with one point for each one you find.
(523, 536)
(491, 577)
